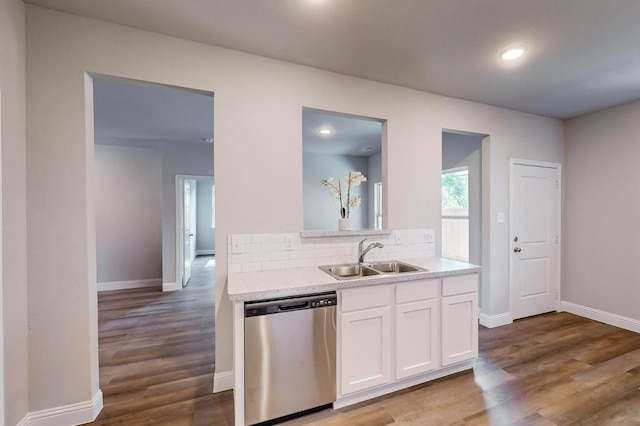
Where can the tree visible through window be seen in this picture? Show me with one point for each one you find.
(455, 214)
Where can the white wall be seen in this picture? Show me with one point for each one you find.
(600, 267)
(321, 210)
(128, 213)
(205, 238)
(258, 104)
(13, 212)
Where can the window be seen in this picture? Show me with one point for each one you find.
(377, 205)
(455, 214)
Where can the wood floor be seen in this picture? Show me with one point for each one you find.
(157, 354)
(554, 369)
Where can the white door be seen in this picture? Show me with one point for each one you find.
(188, 191)
(535, 213)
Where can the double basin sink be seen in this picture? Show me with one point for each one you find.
(352, 271)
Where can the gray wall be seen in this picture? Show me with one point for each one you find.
(321, 210)
(178, 159)
(600, 267)
(205, 238)
(128, 213)
(258, 163)
(13, 268)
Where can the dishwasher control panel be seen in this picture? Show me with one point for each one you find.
(275, 306)
(323, 302)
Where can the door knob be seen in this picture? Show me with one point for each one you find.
(517, 249)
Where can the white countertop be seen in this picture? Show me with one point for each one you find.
(247, 286)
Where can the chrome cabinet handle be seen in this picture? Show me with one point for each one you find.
(517, 250)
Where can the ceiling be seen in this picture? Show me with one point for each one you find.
(349, 135)
(140, 113)
(582, 55)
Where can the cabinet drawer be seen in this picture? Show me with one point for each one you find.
(414, 291)
(355, 299)
(459, 284)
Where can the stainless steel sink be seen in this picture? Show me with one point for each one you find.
(394, 267)
(345, 272)
(352, 271)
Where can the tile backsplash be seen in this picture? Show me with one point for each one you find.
(260, 252)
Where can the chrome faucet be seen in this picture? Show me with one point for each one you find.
(362, 253)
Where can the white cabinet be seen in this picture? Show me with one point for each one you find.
(459, 319)
(416, 328)
(395, 335)
(365, 342)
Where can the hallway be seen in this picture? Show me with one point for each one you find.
(157, 352)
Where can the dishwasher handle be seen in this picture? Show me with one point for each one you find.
(293, 306)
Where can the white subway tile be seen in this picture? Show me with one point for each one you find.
(236, 267)
(279, 255)
(302, 263)
(240, 258)
(260, 256)
(251, 267)
(273, 246)
(289, 264)
(270, 265)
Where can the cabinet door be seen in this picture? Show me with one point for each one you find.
(416, 337)
(459, 328)
(365, 349)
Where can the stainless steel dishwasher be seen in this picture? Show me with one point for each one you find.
(290, 356)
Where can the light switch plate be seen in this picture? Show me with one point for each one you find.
(288, 243)
(500, 217)
(237, 247)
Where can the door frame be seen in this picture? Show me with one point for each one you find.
(558, 251)
(2, 390)
(179, 223)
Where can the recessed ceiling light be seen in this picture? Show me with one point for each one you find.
(324, 131)
(513, 53)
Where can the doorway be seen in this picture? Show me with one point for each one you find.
(195, 222)
(535, 238)
(145, 135)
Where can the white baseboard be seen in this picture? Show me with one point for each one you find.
(492, 321)
(125, 285)
(602, 316)
(205, 252)
(222, 381)
(73, 414)
(171, 286)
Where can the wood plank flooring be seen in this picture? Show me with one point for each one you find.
(156, 354)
